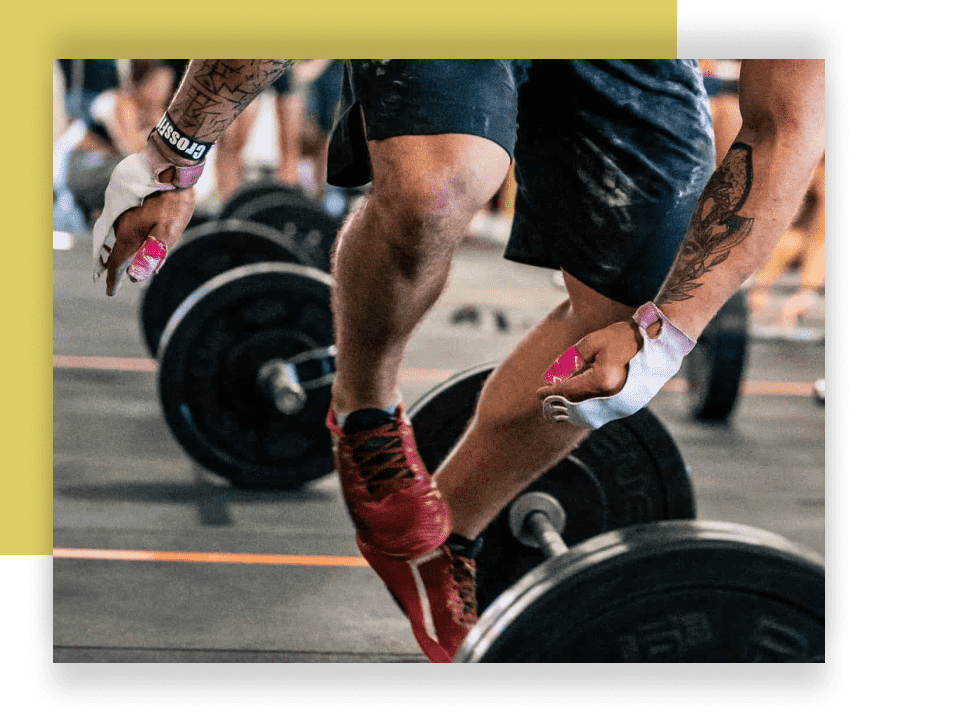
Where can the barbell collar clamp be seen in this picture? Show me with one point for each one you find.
(543, 531)
(315, 375)
(537, 519)
(281, 385)
(286, 387)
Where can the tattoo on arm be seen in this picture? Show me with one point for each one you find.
(216, 91)
(716, 227)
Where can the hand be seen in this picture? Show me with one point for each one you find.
(618, 370)
(163, 217)
(144, 215)
(604, 356)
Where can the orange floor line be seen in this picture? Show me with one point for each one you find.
(430, 375)
(143, 365)
(776, 388)
(103, 363)
(268, 559)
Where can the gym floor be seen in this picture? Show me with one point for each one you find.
(155, 560)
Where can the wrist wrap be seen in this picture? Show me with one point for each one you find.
(185, 175)
(185, 146)
(654, 364)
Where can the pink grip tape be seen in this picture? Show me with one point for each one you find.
(567, 364)
(147, 260)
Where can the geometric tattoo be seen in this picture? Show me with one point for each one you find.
(223, 85)
(716, 227)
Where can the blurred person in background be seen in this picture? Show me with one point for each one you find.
(115, 104)
(229, 163)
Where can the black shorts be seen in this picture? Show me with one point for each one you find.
(610, 155)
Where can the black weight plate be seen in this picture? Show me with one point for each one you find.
(209, 357)
(249, 191)
(203, 253)
(673, 591)
(629, 471)
(715, 368)
(308, 227)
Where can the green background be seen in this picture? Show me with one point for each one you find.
(904, 636)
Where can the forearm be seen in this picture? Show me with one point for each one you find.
(213, 93)
(753, 195)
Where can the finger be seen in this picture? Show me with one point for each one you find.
(568, 363)
(553, 409)
(580, 387)
(147, 259)
(604, 376)
(102, 261)
(139, 266)
(576, 359)
(115, 270)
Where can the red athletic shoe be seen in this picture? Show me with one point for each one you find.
(392, 499)
(436, 591)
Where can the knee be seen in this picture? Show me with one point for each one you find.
(430, 187)
(429, 202)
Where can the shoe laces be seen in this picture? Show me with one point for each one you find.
(382, 461)
(463, 572)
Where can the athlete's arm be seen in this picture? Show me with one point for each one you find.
(755, 192)
(747, 205)
(211, 95)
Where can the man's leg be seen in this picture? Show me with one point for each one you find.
(229, 153)
(289, 120)
(393, 256)
(608, 201)
(508, 444)
(390, 264)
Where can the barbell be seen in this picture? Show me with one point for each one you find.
(261, 222)
(246, 362)
(204, 252)
(626, 472)
(245, 367)
(714, 370)
(254, 191)
(666, 591)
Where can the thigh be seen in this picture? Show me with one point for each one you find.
(611, 158)
(382, 99)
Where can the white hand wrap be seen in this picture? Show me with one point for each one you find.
(654, 364)
(133, 180)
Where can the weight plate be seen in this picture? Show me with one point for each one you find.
(715, 367)
(629, 471)
(673, 591)
(209, 359)
(203, 253)
(249, 191)
(308, 227)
